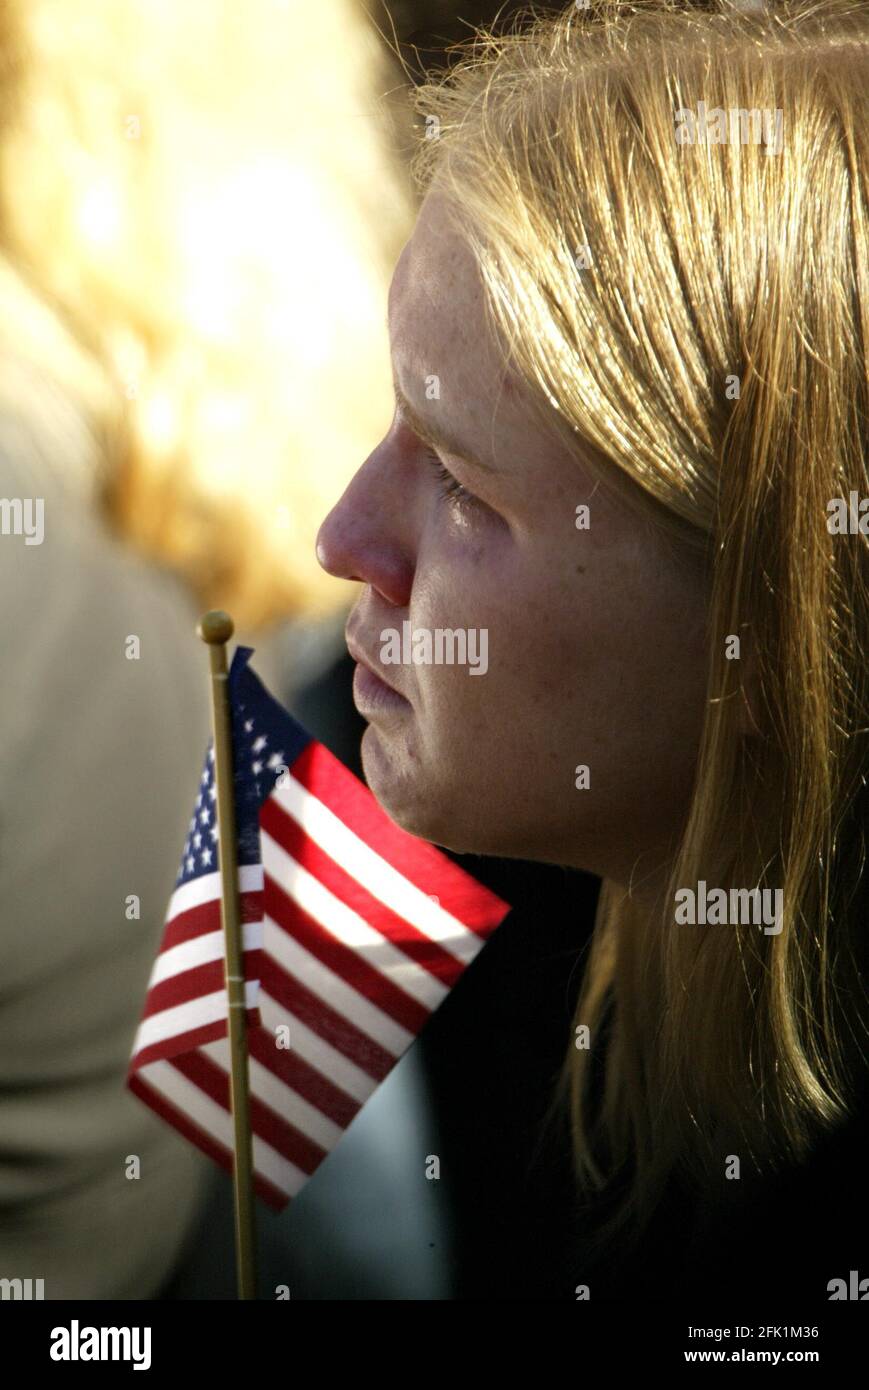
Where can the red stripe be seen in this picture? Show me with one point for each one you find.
(185, 1042)
(196, 983)
(320, 772)
(327, 1022)
(156, 1101)
(295, 1072)
(342, 961)
(205, 918)
(266, 1123)
(276, 821)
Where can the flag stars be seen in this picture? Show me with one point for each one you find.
(259, 763)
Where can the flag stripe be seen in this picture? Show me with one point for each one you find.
(299, 930)
(404, 873)
(346, 1072)
(284, 1137)
(426, 953)
(274, 1196)
(177, 1043)
(207, 889)
(205, 918)
(199, 950)
(191, 984)
(350, 1018)
(344, 942)
(156, 1028)
(275, 1177)
(313, 1087)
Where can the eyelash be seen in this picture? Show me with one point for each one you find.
(450, 487)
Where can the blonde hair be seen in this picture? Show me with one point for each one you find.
(633, 279)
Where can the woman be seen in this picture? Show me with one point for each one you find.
(628, 338)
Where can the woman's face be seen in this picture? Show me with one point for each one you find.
(595, 637)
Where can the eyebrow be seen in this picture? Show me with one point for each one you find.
(435, 435)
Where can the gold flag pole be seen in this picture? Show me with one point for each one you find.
(216, 628)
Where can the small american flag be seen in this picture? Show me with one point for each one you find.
(354, 933)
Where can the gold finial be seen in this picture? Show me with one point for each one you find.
(215, 626)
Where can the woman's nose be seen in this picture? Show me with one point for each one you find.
(330, 552)
(363, 539)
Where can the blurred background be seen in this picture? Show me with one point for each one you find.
(200, 210)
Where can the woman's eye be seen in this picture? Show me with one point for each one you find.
(450, 487)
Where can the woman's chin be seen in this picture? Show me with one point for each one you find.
(409, 795)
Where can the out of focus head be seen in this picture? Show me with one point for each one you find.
(638, 285)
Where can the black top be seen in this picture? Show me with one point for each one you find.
(491, 1053)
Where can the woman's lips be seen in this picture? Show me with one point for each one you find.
(371, 694)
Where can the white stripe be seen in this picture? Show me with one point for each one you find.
(217, 1123)
(291, 955)
(319, 1054)
(375, 874)
(282, 1098)
(170, 1023)
(348, 927)
(200, 950)
(207, 888)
